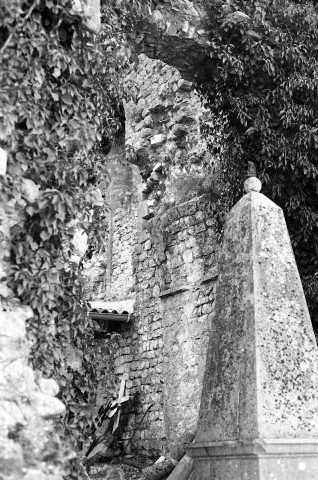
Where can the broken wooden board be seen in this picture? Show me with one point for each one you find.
(116, 404)
(184, 470)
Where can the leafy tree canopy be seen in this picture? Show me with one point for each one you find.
(262, 83)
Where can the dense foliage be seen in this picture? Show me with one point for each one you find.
(60, 93)
(262, 83)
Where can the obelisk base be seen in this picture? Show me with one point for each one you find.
(257, 459)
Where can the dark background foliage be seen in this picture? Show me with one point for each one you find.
(262, 80)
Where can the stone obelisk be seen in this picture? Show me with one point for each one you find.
(259, 408)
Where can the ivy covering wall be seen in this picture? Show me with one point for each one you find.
(61, 96)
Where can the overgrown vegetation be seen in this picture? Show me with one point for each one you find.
(60, 107)
(60, 90)
(262, 84)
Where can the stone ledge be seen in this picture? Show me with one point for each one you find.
(212, 278)
(173, 291)
(257, 447)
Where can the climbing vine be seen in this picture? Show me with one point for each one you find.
(60, 91)
(262, 81)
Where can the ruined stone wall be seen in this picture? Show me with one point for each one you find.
(163, 124)
(124, 244)
(162, 250)
(107, 275)
(161, 117)
(174, 31)
(162, 352)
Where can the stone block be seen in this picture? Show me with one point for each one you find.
(143, 210)
(206, 308)
(34, 474)
(3, 161)
(147, 245)
(146, 132)
(156, 107)
(47, 406)
(200, 227)
(158, 167)
(48, 386)
(179, 131)
(11, 459)
(187, 256)
(136, 382)
(157, 140)
(184, 470)
(139, 126)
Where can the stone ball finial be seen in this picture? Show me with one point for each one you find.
(252, 184)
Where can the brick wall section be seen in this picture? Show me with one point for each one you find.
(124, 244)
(108, 275)
(121, 287)
(163, 351)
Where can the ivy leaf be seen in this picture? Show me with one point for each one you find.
(67, 99)
(56, 72)
(5, 292)
(44, 235)
(250, 131)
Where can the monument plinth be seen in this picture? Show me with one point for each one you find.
(259, 408)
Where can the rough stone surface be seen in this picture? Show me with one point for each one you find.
(162, 240)
(252, 184)
(163, 350)
(47, 406)
(48, 386)
(3, 161)
(163, 126)
(174, 33)
(184, 470)
(260, 388)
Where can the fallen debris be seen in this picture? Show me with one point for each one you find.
(157, 471)
(160, 470)
(184, 470)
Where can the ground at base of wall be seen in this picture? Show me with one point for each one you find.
(97, 472)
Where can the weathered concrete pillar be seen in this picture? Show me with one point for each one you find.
(259, 408)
